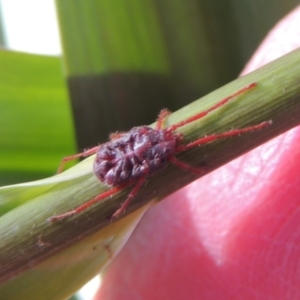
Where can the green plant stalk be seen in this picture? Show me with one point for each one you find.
(276, 98)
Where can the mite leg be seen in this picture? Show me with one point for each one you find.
(230, 133)
(161, 118)
(85, 153)
(116, 135)
(129, 198)
(187, 167)
(217, 105)
(87, 204)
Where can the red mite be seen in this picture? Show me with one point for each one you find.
(129, 158)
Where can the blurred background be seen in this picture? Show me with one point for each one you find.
(30, 26)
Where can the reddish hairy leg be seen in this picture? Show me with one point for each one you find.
(230, 133)
(116, 135)
(86, 205)
(85, 153)
(212, 137)
(161, 118)
(130, 197)
(214, 107)
(187, 167)
(102, 196)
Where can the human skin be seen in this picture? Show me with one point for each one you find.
(233, 234)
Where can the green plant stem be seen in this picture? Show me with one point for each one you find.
(276, 98)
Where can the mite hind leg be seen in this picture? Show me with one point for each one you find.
(88, 204)
(214, 137)
(211, 138)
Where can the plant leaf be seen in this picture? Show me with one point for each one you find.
(35, 125)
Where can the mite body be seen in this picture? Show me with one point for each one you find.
(139, 152)
(129, 158)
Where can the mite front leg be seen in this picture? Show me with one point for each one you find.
(161, 118)
(85, 153)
